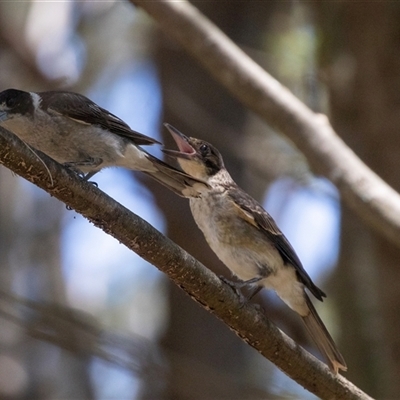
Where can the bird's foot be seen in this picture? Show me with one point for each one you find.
(74, 167)
(235, 286)
(238, 285)
(88, 176)
(89, 162)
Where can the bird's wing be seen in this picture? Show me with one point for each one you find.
(85, 111)
(253, 213)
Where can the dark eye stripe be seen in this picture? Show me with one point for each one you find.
(210, 157)
(212, 165)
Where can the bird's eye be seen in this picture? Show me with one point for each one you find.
(204, 149)
(11, 102)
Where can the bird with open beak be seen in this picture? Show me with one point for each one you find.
(76, 132)
(248, 241)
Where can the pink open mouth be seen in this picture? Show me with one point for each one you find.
(185, 149)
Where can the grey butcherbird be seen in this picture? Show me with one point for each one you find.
(76, 132)
(247, 240)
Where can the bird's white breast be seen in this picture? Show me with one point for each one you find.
(244, 249)
(236, 243)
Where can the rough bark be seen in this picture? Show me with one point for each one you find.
(195, 279)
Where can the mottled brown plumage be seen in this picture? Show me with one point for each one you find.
(248, 241)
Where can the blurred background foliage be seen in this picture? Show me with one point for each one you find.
(82, 317)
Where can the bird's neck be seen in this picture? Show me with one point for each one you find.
(221, 180)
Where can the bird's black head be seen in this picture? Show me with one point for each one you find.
(13, 101)
(196, 157)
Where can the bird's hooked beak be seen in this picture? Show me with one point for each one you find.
(186, 150)
(196, 157)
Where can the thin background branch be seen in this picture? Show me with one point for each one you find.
(196, 280)
(374, 201)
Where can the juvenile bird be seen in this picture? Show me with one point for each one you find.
(248, 241)
(78, 133)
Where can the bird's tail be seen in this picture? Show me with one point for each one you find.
(178, 181)
(323, 339)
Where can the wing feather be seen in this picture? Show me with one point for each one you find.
(253, 213)
(83, 110)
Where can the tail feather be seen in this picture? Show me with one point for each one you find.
(323, 339)
(178, 181)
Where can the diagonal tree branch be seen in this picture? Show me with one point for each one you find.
(190, 275)
(375, 202)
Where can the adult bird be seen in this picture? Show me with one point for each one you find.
(248, 241)
(76, 132)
